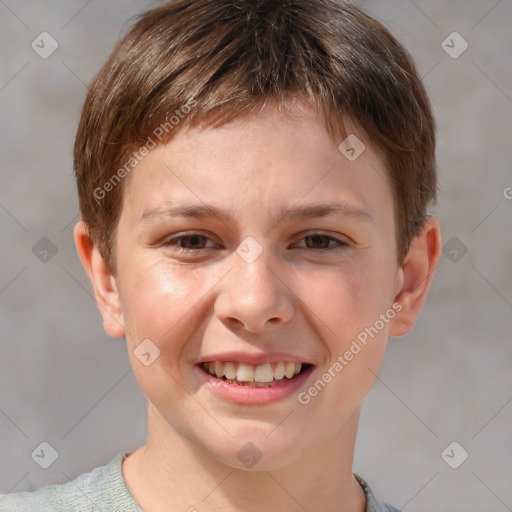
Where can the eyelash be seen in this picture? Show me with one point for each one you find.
(172, 243)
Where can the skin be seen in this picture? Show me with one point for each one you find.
(293, 298)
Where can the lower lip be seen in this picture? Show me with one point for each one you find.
(253, 395)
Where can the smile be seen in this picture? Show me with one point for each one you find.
(263, 375)
(246, 383)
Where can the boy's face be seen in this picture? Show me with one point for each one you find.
(304, 298)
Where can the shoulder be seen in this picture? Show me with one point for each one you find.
(101, 489)
(372, 504)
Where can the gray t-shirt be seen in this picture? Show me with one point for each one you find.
(104, 490)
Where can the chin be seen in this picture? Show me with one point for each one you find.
(257, 450)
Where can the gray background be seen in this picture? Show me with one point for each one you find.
(65, 382)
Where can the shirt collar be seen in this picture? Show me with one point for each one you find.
(372, 505)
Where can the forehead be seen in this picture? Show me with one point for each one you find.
(264, 162)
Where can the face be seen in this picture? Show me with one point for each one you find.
(255, 250)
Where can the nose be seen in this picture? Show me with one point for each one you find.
(255, 296)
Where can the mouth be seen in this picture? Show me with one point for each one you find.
(264, 375)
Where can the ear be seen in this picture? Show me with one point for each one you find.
(103, 282)
(415, 276)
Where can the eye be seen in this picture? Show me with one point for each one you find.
(195, 243)
(191, 243)
(323, 240)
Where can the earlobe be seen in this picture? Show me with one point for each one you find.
(416, 276)
(104, 283)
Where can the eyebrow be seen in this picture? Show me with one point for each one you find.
(202, 210)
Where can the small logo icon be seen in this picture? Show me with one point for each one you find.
(454, 249)
(454, 455)
(352, 147)
(45, 455)
(146, 352)
(44, 45)
(44, 250)
(454, 45)
(249, 250)
(249, 455)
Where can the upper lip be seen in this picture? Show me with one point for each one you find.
(255, 358)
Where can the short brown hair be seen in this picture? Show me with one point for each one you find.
(232, 56)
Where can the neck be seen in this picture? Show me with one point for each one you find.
(170, 469)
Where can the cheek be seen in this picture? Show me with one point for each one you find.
(347, 299)
(165, 304)
(160, 301)
(350, 302)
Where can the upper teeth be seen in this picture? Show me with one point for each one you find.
(244, 372)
